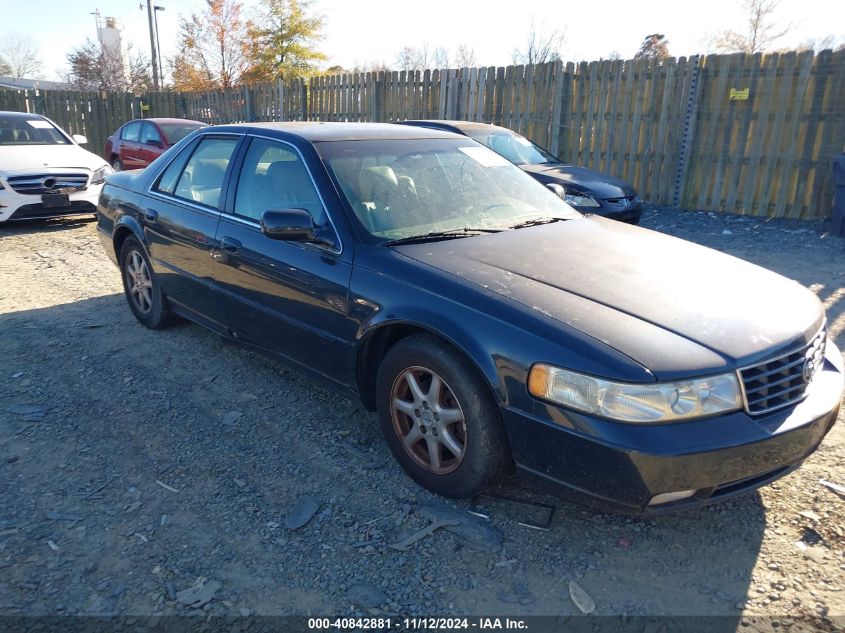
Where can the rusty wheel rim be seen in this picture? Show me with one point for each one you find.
(428, 420)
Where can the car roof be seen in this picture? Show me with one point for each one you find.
(167, 120)
(20, 115)
(460, 127)
(334, 131)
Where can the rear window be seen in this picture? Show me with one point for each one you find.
(23, 130)
(175, 132)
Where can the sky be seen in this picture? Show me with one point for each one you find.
(362, 31)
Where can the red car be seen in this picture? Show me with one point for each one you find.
(138, 143)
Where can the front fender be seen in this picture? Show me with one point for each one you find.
(444, 327)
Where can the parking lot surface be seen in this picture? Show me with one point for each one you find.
(149, 473)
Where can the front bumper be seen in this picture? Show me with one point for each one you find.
(621, 211)
(623, 467)
(17, 206)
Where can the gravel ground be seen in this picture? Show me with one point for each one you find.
(146, 473)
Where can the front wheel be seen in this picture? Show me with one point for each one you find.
(141, 287)
(439, 419)
(117, 164)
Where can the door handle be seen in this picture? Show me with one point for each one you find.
(230, 245)
(151, 215)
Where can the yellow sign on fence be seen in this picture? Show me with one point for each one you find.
(739, 95)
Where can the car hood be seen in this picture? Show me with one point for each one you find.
(673, 306)
(602, 185)
(28, 157)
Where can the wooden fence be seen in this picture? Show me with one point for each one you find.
(747, 134)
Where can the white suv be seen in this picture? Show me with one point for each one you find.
(44, 173)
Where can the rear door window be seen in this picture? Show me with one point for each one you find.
(201, 178)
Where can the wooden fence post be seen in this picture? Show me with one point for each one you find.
(689, 129)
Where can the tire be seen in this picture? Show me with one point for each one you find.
(141, 287)
(451, 442)
(117, 164)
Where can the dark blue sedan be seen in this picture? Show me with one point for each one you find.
(489, 324)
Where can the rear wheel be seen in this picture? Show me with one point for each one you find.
(141, 287)
(117, 164)
(439, 419)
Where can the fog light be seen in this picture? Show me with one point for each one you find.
(669, 497)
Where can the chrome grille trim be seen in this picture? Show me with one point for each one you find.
(34, 184)
(779, 381)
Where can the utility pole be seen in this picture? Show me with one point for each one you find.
(153, 44)
(156, 9)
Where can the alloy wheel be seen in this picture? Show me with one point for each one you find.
(428, 420)
(139, 283)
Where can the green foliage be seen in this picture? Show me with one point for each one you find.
(654, 46)
(284, 41)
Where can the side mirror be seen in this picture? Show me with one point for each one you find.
(557, 189)
(79, 139)
(290, 225)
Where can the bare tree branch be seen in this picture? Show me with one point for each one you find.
(762, 30)
(20, 52)
(540, 48)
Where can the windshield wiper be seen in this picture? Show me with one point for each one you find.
(440, 235)
(535, 222)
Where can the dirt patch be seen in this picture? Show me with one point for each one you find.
(153, 472)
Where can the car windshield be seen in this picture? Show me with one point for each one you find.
(517, 149)
(399, 189)
(23, 130)
(175, 132)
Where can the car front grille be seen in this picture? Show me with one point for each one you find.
(783, 380)
(38, 184)
(628, 201)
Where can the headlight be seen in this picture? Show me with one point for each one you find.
(632, 402)
(99, 176)
(580, 199)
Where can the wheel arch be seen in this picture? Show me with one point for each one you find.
(126, 227)
(380, 338)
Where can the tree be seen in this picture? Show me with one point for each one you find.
(540, 48)
(440, 58)
(93, 67)
(829, 41)
(5, 69)
(465, 57)
(654, 46)
(763, 29)
(20, 53)
(285, 45)
(418, 57)
(215, 48)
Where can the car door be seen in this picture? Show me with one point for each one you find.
(180, 213)
(151, 144)
(288, 297)
(130, 137)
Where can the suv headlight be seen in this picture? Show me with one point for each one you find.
(99, 176)
(577, 199)
(636, 402)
